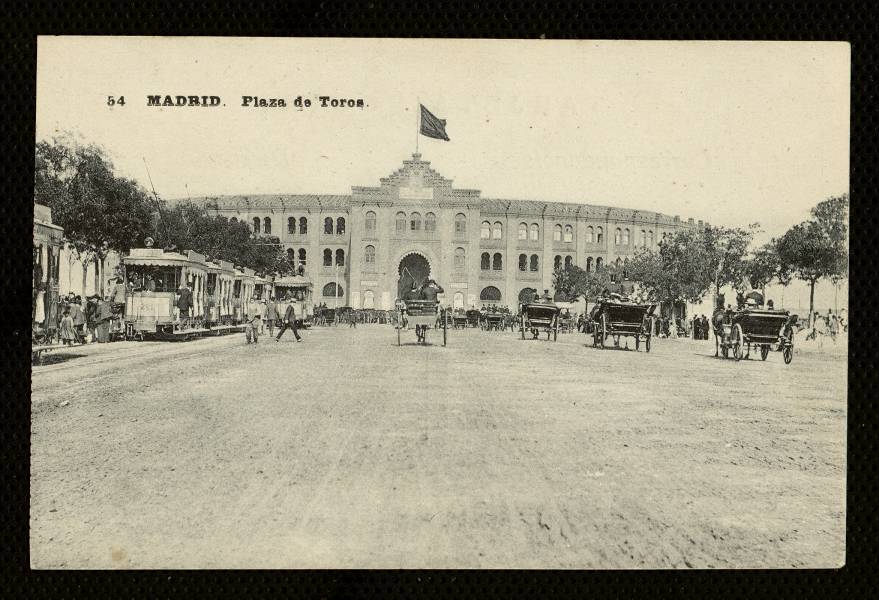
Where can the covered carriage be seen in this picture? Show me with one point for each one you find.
(766, 329)
(622, 319)
(424, 314)
(537, 317)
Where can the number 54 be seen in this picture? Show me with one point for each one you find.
(112, 101)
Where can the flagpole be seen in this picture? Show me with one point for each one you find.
(417, 122)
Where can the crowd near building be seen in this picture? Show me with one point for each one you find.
(362, 248)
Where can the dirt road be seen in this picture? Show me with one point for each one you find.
(347, 451)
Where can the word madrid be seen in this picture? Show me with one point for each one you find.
(254, 101)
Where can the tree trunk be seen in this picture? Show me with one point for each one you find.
(103, 261)
(812, 301)
(99, 287)
(85, 275)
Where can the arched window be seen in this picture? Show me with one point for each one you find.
(527, 295)
(569, 262)
(430, 222)
(291, 256)
(557, 233)
(340, 226)
(485, 261)
(523, 262)
(626, 236)
(589, 264)
(490, 294)
(569, 233)
(368, 299)
(301, 255)
(534, 264)
(523, 231)
(590, 235)
(459, 258)
(401, 222)
(291, 225)
(497, 262)
(255, 224)
(485, 230)
(415, 221)
(458, 301)
(598, 263)
(303, 226)
(460, 225)
(328, 257)
(534, 231)
(618, 236)
(328, 226)
(643, 237)
(267, 225)
(557, 262)
(233, 220)
(369, 224)
(650, 238)
(340, 257)
(497, 231)
(369, 255)
(599, 235)
(332, 290)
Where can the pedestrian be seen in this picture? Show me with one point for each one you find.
(834, 327)
(254, 323)
(91, 312)
(271, 316)
(184, 302)
(103, 318)
(289, 323)
(68, 332)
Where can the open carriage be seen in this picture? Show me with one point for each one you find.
(537, 317)
(493, 321)
(765, 329)
(423, 315)
(622, 319)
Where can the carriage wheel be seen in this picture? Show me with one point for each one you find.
(788, 354)
(764, 352)
(738, 343)
(647, 343)
(603, 329)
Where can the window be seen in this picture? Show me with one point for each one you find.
(590, 235)
(459, 258)
(430, 222)
(523, 231)
(589, 265)
(497, 231)
(534, 232)
(303, 226)
(401, 222)
(415, 221)
(291, 256)
(557, 233)
(233, 220)
(485, 261)
(485, 230)
(534, 262)
(490, 294)
(569, 262)
(369, 255)
(618, 236)
(255, 224)
(569, 233)
(332, 290)
(291, 225)
(598, 263)
(267, 225)
(458, 301)
(599, 235)
(650, 238)
(626, 236)
(523, 262)
(301, 255)
(340, 226)
(497, 262)
(340, 258)
(328, 257)
(557, 262)
(368, 299)
(643, 238)
(328, 226)
(370, 223)
(460, 225)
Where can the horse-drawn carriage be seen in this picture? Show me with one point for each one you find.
(766, 329)
(423, 315)
(622, 319)
(493, 321)
(536, 317)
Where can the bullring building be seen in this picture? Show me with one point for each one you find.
(362, 249)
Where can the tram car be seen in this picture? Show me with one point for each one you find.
(766, 329)
(218, 304)
(153, 278)
(622, 319)
(298, 291)
(539, 316)
(242, 293)
(45, 298)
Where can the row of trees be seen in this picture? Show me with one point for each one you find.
(101, 212)
(695, 262)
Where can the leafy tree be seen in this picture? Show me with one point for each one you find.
(764, 265)
(574, 283)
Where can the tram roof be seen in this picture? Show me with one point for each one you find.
(293, 281)
(159, 258)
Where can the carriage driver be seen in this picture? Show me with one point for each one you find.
(427, 292)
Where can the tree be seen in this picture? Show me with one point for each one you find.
(575, 283)
(763, 267)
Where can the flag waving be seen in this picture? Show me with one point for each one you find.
(431, 126)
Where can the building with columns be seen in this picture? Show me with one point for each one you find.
(361, 249)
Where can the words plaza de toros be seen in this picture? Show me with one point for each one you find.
(415, 224)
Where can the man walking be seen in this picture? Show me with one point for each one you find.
(184, 302)
(289, 323)
(272, 315)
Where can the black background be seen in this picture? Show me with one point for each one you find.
(22, 22)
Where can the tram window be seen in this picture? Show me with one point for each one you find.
(211, 283)
(236, 289)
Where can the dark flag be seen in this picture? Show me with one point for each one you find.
(431, 126)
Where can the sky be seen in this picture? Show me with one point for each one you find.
(731, 133)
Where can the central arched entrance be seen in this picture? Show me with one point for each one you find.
(413, 267)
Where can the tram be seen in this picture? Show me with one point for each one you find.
(220, 275)
(47, 252)
(298, 291)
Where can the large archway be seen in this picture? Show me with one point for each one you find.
(413, 268)
(527, 295)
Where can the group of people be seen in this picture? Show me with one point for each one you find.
(83, 324)
(266, 314)
(829, 325)
(700, 327)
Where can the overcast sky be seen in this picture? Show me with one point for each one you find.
(728, 132)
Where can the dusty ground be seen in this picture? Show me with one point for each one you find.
(347, 451)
